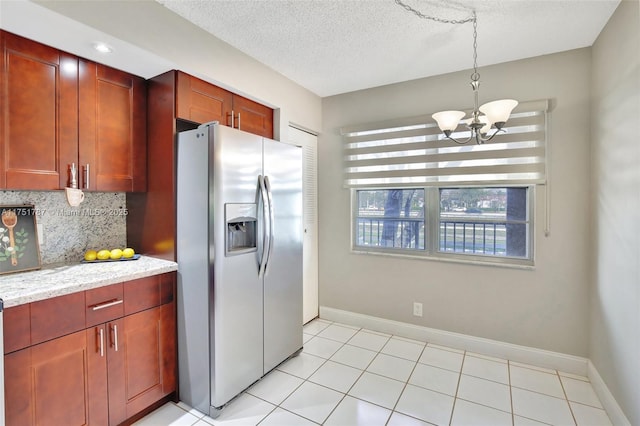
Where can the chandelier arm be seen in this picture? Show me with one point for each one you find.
(464, 142)
(487, 139)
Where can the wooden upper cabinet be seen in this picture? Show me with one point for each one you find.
(39, 114)
(112, 129)
(57, 109)
(201, 102)
(252, 117)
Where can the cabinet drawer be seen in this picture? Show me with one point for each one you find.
(57, 316)
(104, 304)
(17, 328)
(141, 294)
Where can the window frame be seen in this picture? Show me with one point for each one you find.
(432, 230)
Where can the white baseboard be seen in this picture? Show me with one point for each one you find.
(609, 403)
(524, 354)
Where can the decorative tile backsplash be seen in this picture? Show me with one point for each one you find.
(65, 231)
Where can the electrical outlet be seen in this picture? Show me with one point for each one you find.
(417, 309)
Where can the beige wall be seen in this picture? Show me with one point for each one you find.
(615, 296)
(544, 308)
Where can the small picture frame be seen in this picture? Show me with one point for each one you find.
(19, 248)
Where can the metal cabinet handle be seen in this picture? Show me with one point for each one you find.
(73, 181)
(265, 233)
(108, 304)
(233, 120)
(272, 222)
(114, 331)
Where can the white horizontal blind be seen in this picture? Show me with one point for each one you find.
(413, 152)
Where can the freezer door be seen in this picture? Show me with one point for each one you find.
(194, 293)
(283, 276)
(237, 314)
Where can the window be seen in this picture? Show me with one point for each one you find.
(484, 221)
(417, 194)
(390, 218)
(490, 224)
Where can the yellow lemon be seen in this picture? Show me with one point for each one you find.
(115, 254)
(103, 254)
(128, 253)
(90, 255)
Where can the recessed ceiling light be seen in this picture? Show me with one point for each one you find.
(102, 47)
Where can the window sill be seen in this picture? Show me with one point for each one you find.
(500, 263)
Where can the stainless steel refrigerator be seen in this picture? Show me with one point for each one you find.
(239, 252)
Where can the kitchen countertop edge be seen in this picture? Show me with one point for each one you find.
(59, 280)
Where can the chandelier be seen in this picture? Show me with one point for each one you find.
(487, 117)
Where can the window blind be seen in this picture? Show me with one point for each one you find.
(413, 152)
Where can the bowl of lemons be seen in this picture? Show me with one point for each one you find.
(113, 255)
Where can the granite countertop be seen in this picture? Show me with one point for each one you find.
(58, 280)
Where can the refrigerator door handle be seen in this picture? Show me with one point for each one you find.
(266, 222)
(271, 221)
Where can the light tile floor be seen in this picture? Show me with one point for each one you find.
(347, 376)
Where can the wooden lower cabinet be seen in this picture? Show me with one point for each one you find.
(50, 384)
(99, 376)
(139, 373)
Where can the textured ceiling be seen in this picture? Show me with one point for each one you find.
(338, 46)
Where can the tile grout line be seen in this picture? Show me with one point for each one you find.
(566, 398)
(344, 395)
(513, 414)
(406, 383)
(305, 380)
(276, 406)
(455, 397)
(362, 374)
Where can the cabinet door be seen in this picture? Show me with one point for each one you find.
(51, 384)
(18, 388)
(112, 129)
(252, 117)
(141, 368)
(97, 368)
(201, 102)
(39, 114)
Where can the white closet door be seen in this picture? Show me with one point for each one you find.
(309, 143)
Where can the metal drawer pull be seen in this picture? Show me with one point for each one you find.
(115, 337)
(108, 304)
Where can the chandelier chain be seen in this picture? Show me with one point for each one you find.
(478, 124)
(435, 18)
(475, 76)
